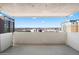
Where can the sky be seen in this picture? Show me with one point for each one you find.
(42, 22)
(37, 22)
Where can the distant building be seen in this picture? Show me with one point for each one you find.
(70, 26)
(38, 29)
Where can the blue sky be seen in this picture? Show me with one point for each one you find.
(32, 22)
(37, 22)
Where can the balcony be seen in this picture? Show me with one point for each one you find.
(38, 43)
(44, 43)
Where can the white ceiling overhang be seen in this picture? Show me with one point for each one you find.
(38, 9)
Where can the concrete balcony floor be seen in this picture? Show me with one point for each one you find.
(40, 50)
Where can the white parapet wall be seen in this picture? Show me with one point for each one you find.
(73, 40)
(39, 38)
(5, 41)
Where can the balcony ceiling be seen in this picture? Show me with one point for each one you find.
(30, 9)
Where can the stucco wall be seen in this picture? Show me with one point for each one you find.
(73, 40)
(5, 41)
(39, 38)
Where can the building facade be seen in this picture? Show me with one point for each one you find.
(70, 26)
